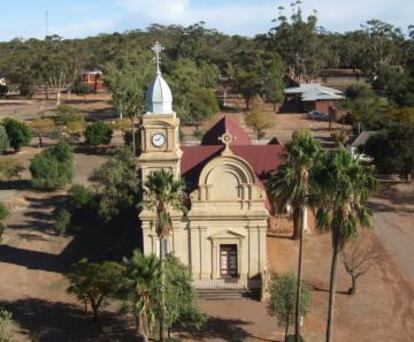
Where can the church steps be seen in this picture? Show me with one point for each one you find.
(223, 294)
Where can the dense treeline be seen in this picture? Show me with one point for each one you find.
(296, 48)
(298, 42)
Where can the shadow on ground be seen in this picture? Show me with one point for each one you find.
(44, 321)
(94, 240)
(390, 199)
(226, 329)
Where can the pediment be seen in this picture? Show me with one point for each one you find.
(226, 234)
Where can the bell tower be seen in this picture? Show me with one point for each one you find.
(160, 144)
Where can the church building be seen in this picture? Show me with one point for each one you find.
(222, 238)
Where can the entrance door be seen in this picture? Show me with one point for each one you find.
(228, 261)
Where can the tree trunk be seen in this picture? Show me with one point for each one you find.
(299, 284)
(46, 92)
(274, 107)
(162, 292)
(247, 101)
(352, 289)
(95, 308)
(296, 224)
(58, 97)
(332, 290)
(287, 327)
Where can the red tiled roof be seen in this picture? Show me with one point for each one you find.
(226, 124)
(196, 156)
(262, 158)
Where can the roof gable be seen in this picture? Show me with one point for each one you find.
(229, 125)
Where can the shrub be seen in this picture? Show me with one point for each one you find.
(4, 140)
(3, 215)
(27, 90)
(5, 318)
(282, 300)
(121, 124)
(198, 134)
(3, 212)
(42, 127)
(69, 119)
(2, 229)
(99, 133)
(18, 133)
(52, 168)
(65, 109)
(3, 91)
(80, 196)
(82, 89)
(62, 223)
(10, 169)
(339, 137)
(93, 283)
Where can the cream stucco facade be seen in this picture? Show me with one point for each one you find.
(227, 212)
(222, 238)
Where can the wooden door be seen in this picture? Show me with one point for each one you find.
(228, 261)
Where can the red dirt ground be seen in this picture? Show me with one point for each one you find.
(33, 287)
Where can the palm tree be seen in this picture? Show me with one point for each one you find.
(142, 278)
(345, 186)
(163, 194)
(292, 184)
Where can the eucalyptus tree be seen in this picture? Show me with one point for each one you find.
(292, 184)
(162, 195)
(127, 79)
(341, 201)
(273, 85)
(296, 40)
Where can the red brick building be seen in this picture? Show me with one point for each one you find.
(93, 79)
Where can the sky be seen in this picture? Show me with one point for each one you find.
(81, 18)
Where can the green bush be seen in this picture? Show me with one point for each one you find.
(66, 109)
(62, 223)
(52, 168)
(80, 196)
(2, 229)
(18, 133)
(3, 215)
(10, 169)
(82, 89)
(5, 318)
(3, 212)
(198, 134)
(27, 90)
(4, 140)
(99, 133)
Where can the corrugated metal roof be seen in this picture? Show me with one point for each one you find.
(315, 91)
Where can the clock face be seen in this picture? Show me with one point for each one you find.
(158, 139)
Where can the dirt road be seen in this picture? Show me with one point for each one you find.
(394, 224)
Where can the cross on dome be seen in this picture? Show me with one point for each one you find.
(159, 98)
(157, 49)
